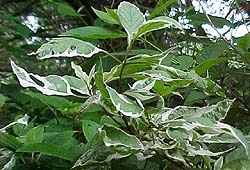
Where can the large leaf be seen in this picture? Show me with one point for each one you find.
(125, 105)
(121, 141)
(49, 149)
(131, 18)
(51, 85)
(67, 47)
(93, 32)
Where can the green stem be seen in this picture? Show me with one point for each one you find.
(123, 66)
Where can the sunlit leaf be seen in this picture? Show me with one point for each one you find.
(131, 18)
(67, 47)
(51, 85)
(125, 105)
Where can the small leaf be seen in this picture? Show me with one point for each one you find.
(92, 32)
(121, 141)
(131, 18)
(34, 135)
(156, 24)
(51, 85)
(90, 129)
(67, 47)
(81, 74)
(125, 105)
(106, 17)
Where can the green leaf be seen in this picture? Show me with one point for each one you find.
(131, 18)
(213, 51)
(206, 65)
(9, 142)
(92, 32)
(90, 129)
(200, 18)
(34, 135)
(106, 17)
(156, 24)
(54, 101)
(2, 100)
(241, 164)
(49, 149)
(67, 47)
(125, 105)
(160, 6)
(122, 142)
(244, 42)
(65, 9)
(51, 85)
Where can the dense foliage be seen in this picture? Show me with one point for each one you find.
(133, 88)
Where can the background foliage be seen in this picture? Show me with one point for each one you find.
(173, 104)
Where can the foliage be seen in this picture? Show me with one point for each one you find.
(128, 105)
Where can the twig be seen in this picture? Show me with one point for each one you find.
(221, 36)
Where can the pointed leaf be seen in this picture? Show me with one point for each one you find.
(106, 17)
(156, 24)
(67, 47)
(125, 105)
(34, 135)
(92, 32)
(51, 85)
(77, 84)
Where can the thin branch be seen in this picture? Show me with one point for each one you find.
(221, 36)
